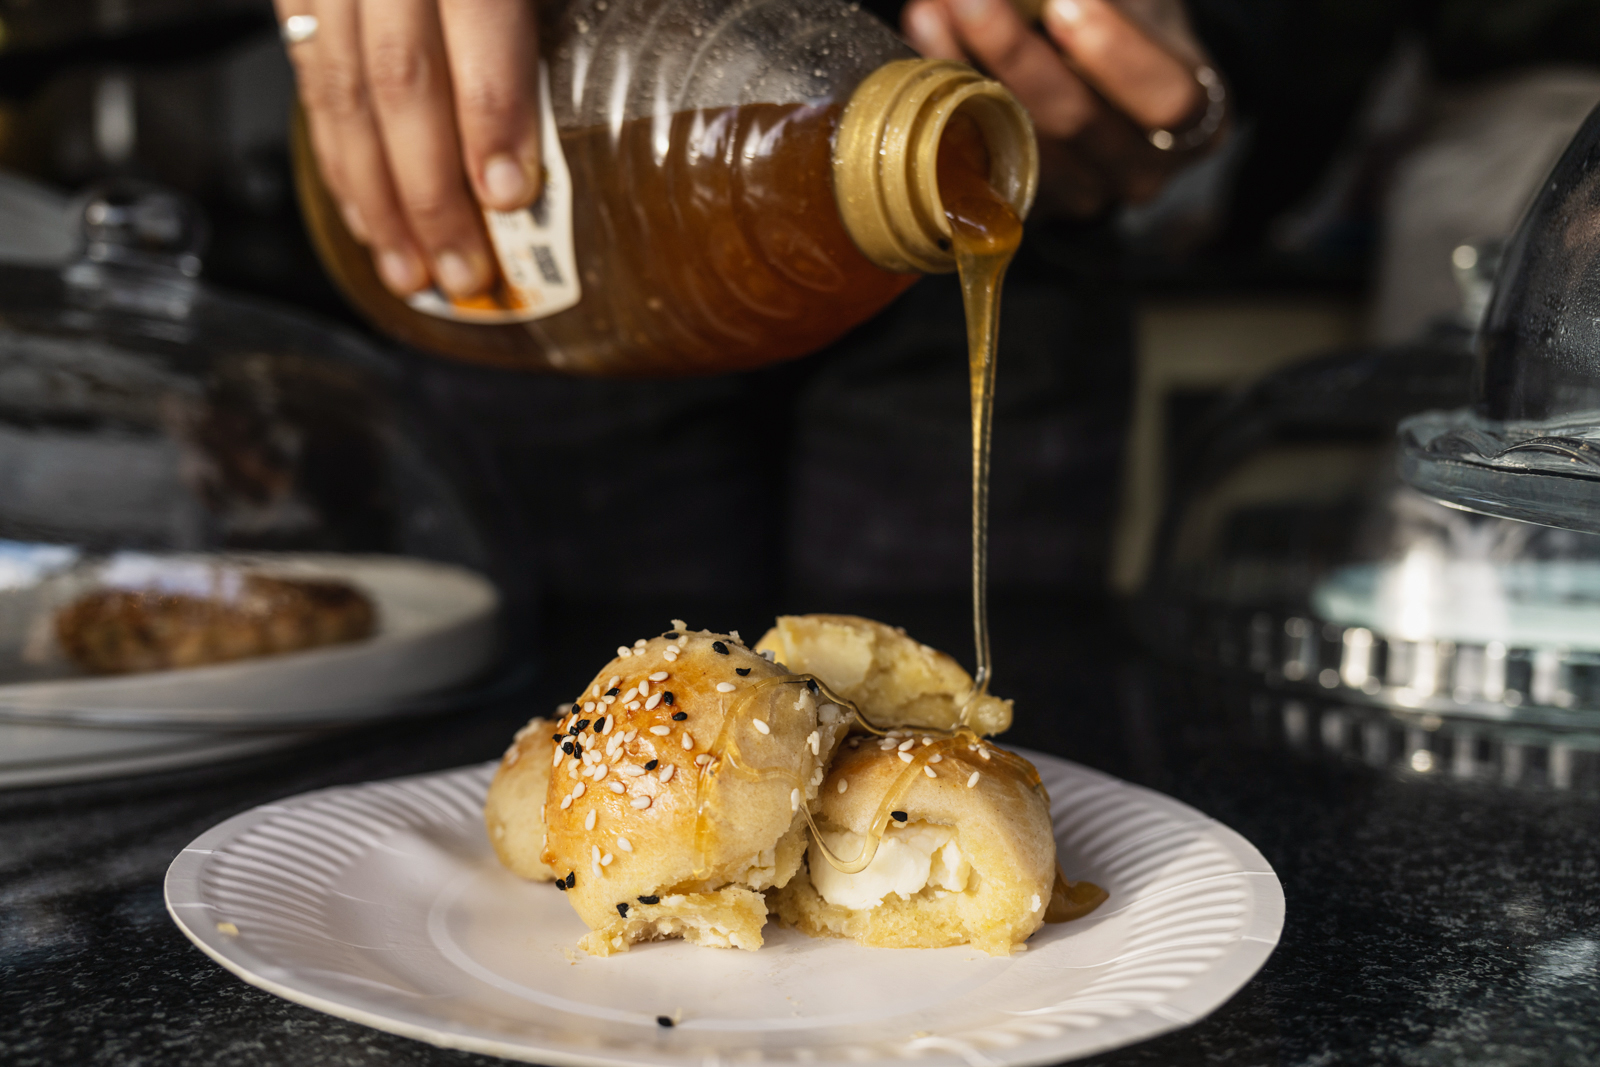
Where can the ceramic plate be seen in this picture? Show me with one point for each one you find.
(436, 627)
(384, 904)
(33, 755)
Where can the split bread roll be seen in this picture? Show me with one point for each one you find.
(676, 790)
(894, 679)
(513, 813)
(967, 855)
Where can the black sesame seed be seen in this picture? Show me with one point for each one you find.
(719, 648)
(599, 724)
(558, 737)
(583, 724)
(665, 1020)
(572, 879)
(561, 884)
(613, 691)
(567, 748)
(671, 635)
(652, 765)
(741, 671)
(574, 728)
(668, 699)
(577, 750)
(652, 899)
(679, 716)
(899, 816)
(811, 684)
(622, 909)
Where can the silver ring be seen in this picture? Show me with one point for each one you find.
(298, 29)
(1201, 132)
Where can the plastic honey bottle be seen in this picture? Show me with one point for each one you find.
(728, 183)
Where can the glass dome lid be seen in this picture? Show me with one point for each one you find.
(1529, 448)
(214, 512)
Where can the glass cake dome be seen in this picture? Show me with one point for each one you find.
(1529, 447)
(215, 514)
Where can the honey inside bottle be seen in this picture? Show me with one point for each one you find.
(707, 241)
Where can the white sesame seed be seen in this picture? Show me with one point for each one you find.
(972, 781)
(661, 731)
(630, 694)
(588, 820)
(666, 772)
(600, 771)
(616, 680)
(671, 656)
(615, 787)
(659, 676)
(937, 757)
(594, 857)
(577, 790)
(588, 705)
(679, 625)
(907, 744)
(639, 643)
(726, 687)
(650, 705)
(844, 783)
(605, 861)
(644, 687)
(984, 752)
(595, 691)
(623, 651)
(683, 641)
(761, 725)
(624, 844)
(815, 743)
(611, 720)
(629, 736)
(927, 740)
(904, 756)
(633, 705)
(566, 802)
(560, 755)
(607, 700)
(641, 802)
(572, 764)
(632, 770)
(929, 771)
(688, 741)
(794, 800)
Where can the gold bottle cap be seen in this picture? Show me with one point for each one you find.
(885, 160)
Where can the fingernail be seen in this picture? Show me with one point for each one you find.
(1068, 11)
(921, 24)
(505, 181)
(972, 9)
(457, 275)
(401, 272)
(354, 222)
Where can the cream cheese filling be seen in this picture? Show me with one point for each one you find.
(910, 858)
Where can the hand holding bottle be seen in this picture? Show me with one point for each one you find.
(1101, 87)
(420, 110)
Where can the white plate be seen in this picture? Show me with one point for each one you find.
(384, 904)
(50, 755)
(436, 627)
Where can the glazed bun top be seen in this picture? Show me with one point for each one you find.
(679, 769)
(893, 679)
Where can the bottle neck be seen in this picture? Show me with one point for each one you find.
(885, 160)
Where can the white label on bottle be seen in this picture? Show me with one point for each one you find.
(538, 267)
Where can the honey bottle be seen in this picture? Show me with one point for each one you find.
(728, 184)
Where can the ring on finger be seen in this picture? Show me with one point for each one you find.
(1200, 132)
(298, 29)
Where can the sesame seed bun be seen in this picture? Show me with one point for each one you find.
(697, 807)
(1001, 824)
(894, 679)
(514, 810)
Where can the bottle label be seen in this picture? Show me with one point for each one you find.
(538, 267)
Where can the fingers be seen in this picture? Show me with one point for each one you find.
(995, 36)
(927, 26)
(408, 76)
(1135, 73)
(493, 50)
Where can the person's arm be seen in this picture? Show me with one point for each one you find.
(1097, 82)
(420, 110)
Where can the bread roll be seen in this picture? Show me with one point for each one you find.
(514, 810)
(967, 855)
(675, 796)
(893, 679)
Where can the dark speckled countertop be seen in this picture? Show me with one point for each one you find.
(1447, 915)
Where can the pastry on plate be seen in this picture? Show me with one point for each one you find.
(227, 615)
(676, 791)
(513, 813)
(894, 679)
(964, 848)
